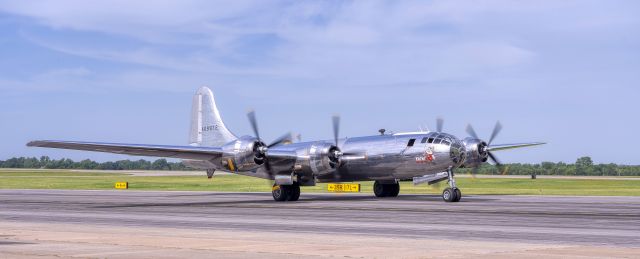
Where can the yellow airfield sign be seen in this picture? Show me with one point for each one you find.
(122, 185)
(343, 187)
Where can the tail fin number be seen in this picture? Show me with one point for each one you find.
(210, 128)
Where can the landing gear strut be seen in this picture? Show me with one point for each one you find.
(286, 192)
(451, 193)
(386, 189)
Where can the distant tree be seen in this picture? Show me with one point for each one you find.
(584, 166)
(160, 164)
(86, 164)
(44, 160)
(549, 168)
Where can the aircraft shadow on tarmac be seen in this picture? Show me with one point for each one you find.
(265, 199)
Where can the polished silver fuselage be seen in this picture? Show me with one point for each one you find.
(381, 157)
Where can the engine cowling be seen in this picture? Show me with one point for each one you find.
(320, 158)
(476, 152)
(243, 154)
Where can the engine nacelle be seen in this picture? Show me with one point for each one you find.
(319, 158)
(242, 154)
(476, 152)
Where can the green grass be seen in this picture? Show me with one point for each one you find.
(235, 183)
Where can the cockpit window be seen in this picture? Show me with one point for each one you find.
(424, 140)
(430, 140)
(411, 142)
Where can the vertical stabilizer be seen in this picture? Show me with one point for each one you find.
(207, 127)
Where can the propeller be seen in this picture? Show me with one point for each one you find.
(483, 147)
(336, 155)
(260, 148)
(336, 127)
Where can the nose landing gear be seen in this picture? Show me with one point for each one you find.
(451, 193)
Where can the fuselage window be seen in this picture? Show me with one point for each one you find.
(411, 141)
(424, 140)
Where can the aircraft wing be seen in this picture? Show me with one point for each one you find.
(510, 146)
(183, 152)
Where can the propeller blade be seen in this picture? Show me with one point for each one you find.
(474, 171)
(336, 128)
(254, 123)
(496, 161)
(282, 139)
(471, 132)
(439, 123)
(267, 166)
(495, 132)
(494, 158)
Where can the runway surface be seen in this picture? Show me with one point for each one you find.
(486, 225)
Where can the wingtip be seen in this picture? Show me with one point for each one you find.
(33, 143)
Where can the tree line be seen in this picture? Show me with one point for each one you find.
(582, 166)
(47, 163)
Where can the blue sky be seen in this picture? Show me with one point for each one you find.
(565, 72)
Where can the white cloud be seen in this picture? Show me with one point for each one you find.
(330, 43)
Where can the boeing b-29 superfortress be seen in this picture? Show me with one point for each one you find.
(424, 157)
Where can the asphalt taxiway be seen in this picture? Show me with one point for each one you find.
(125, 223)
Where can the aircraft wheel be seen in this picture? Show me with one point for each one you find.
(449, 195)
(458, 195)
(295, 192)
(280, 192)
(379, 189)
(393, 190)
(386, 190)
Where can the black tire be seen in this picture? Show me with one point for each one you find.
(448, 195)
(458, 195)
(280, 192)
(294, 194)
(394, 190)
(379, 189)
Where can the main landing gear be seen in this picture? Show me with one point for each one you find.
(286, 192)
(451, 193)
(386, 189)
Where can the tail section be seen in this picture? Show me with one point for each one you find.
(207, 127)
